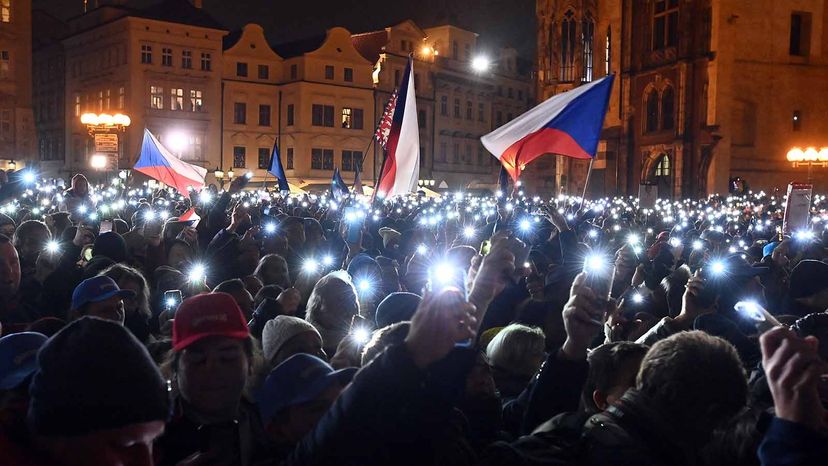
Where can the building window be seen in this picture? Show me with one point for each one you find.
(359, 117)
(322, 115)
(108, 102)
(166, 57)
(5, 124)
(78, 105)
(667, 108)
(100, 101)
(348, 75)
(290, 158)
(240, 113)
(800, 40)
(196, 100)
(239, 156)
(568, 47)
(455, 157)
(264, 72)
(322, 159)
(264, 158)
(351, 160)
(481, 112)
(346, 118)
(652, 111)
(241, 69)
(443, 150)
(608, 52)
(468, 158)
(456, 108)
(176, 99)
(5, 11)
(157, 97)
(121, 98)
(797, 120)
(294, 71)
(665, 24)
(146, 54)
(290, 115)
(444, 105)
(197, 143)
(187, 59)
(469, 110)
(206, 62)
(329, 72)
(264, 115)
(587, 40)
(421, 119)
(663, 167)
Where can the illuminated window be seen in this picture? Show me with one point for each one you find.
(663, 167)
(289, 158)
(176, 99)
(346, 118)
(77, 105)
(108, 102)
(196, 100)
(100, 101)
(665, 24)
(608, 52)
(239, 156)
(187, 59)
(264, 158)
(5, 11)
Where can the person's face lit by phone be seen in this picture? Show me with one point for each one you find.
(109, 309)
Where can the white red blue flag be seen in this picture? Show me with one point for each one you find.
(402, 159)
(160, 164)
(566, 124)
(384, 127)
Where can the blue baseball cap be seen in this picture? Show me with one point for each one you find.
(18, 357)
(299, 379)
(96, 289)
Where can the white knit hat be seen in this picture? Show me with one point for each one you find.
(388, 235)
(279, 330)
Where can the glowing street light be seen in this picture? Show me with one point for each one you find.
(480, 64)
(98, 162)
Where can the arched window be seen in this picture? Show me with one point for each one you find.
(663, 167)
(568, 31)
(668, 108)
(587, 41)
(651, 103)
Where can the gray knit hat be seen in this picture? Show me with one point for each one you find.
(279, 330)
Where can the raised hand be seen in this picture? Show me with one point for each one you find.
(441, 321)
(583, 318)
(794, 368)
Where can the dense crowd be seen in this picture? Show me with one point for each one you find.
(245, 327)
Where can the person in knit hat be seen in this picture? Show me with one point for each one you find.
(111, 245)
(87, 404)
(285, 336)
(7, 225)
(390, 238)
(396, 307)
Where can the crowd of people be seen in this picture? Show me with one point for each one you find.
(143, 326)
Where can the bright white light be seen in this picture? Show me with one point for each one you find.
(594, 263)
(717, 268)
(697, 245)
(750, 309)
(170, 302)
(633, 239)
(310, 266)
(205, 197)
(480, 64)
(328, 261)
(364, 285)
(593, 233)
(98, 161)
(468, 232)
(176, 141)
(29, 177)
(270, 228)
(197, 273)
(92, 216)
(675, 242)
(163, 214)
(443, 273)
(52, 247)
(804, 235)
(361, 335)
(525, 225)
(637, 298)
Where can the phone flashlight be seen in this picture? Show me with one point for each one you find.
(52, 247)
(172, 299)
(310, 266)
(468, 232)
(754, 311)
(197, 273)
(600, 275)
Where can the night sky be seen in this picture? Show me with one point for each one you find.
(499, 22)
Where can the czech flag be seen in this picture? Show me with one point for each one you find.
(338, 187)
(567, 124)
(160, 164)
(277, 170)
(402, 159)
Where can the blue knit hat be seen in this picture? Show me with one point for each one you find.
(18, 357)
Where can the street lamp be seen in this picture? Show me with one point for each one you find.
(12, 165)
(810, 157)
(105, 122)
(98, 162)
(481, 64)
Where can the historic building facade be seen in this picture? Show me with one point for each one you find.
(17, 127)
(705, 90)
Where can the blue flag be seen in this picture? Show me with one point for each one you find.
(338, 187)
(277, 170)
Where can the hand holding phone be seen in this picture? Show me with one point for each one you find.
(106, 226)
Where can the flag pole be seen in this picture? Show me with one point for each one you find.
(586, 182)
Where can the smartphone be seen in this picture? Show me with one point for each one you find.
(485, 248)
(172, 299)
(520, 250)
(761, 318)
(86, 253)
(106, 226)
(442, 277)
(354, 225)
(600, 272)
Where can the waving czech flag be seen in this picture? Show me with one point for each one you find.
(567, 124)
(160, 164)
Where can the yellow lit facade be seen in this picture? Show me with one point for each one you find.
(17, 130)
